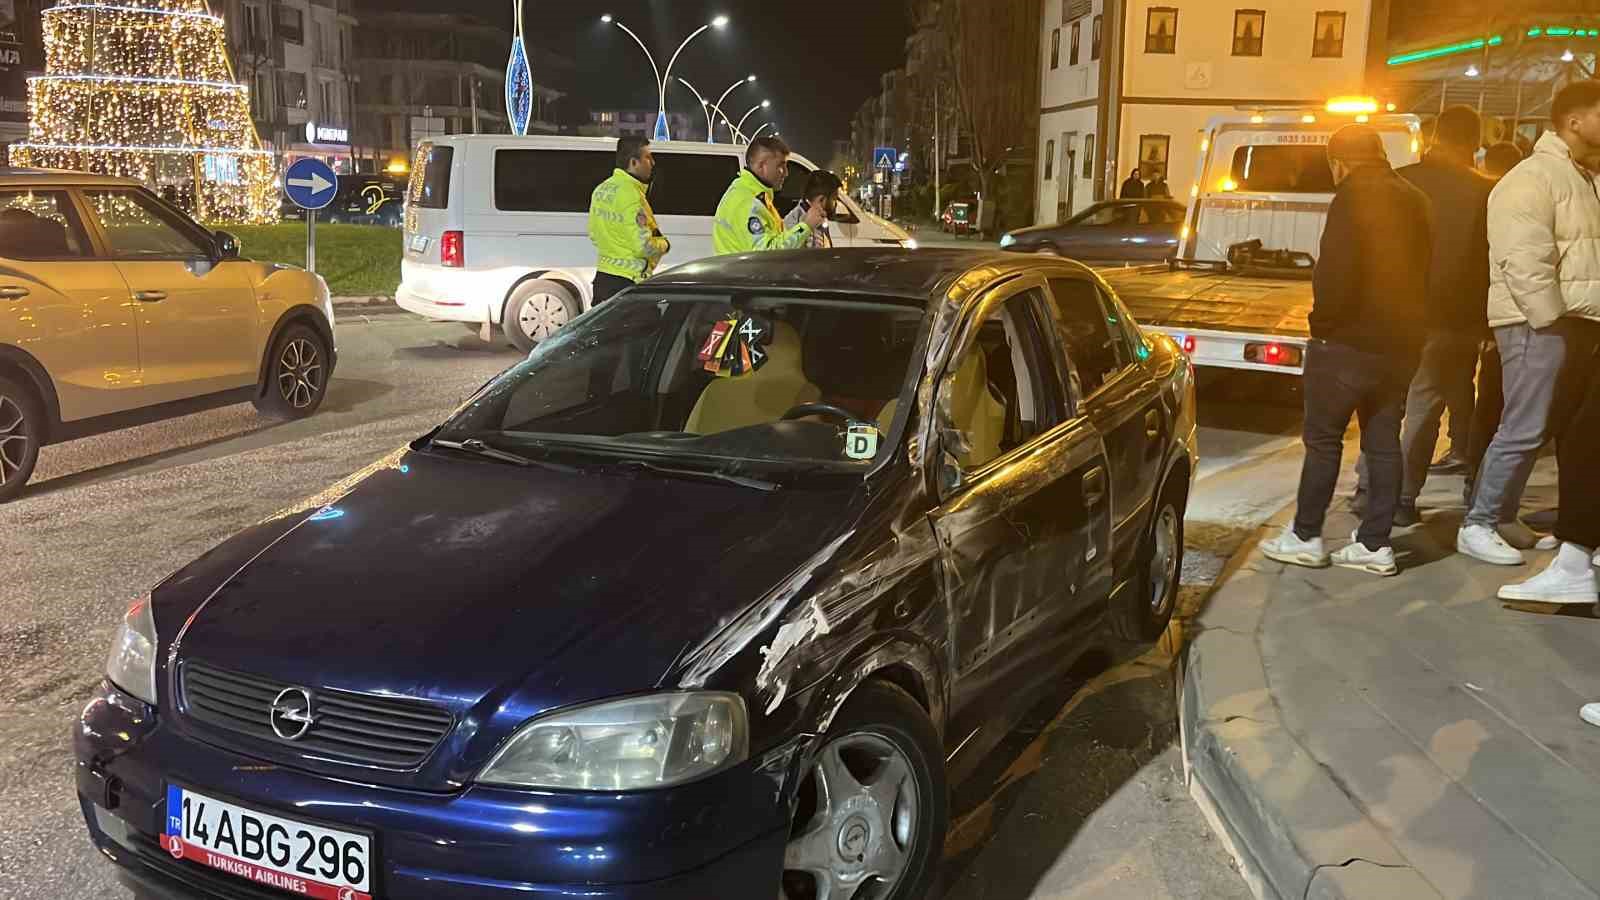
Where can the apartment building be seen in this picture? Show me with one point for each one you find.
(295, 55)
(642, 123)
(1131, 83)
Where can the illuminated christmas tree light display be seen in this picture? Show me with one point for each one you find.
(144, 89)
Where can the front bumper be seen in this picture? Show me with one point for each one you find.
(721, 837)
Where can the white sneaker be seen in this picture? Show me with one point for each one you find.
(1590, 713)
(1358, 557)
(1548, 542)
(1555, 585)
(1289, 548)
(1484, 543)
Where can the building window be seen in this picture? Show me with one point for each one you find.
(260, 96)
(606, 118)
(1248, 25)
(330, 104)
(1328, 39)
(1094, 39)
(255, 29)
(1055, 49)
(1088, 156)
(1153, 150)
(1077, 39)
(1161, 30)
(291, 24)
(292, 89)
(1049, 160)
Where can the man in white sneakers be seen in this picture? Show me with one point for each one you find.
(1544, 305)
(1368, 322)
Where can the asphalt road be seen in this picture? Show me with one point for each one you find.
(1084, 799)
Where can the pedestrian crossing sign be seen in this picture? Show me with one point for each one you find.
(884, 158)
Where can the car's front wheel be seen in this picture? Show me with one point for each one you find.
(297, 374)
(872, 809)
(21, 433)
(536, 311)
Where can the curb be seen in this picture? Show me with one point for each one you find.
(368, 306)
(1294, 831)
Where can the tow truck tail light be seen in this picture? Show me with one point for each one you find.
(1189, 344)
(452, 250)
(1274, 354)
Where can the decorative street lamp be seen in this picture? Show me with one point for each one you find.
(709, 107)
(738, 130)
(663, 132)
(519, 78)
(764, 126)
(748, 79)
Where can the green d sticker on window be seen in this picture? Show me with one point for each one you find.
(861, 442)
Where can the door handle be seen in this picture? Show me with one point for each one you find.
(1152, 424)
(1094, 486)
(149, 296)
(13, 292)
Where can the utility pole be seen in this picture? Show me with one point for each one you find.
(938, 158)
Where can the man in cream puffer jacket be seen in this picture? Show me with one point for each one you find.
(1544, 306)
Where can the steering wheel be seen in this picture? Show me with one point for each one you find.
(822, 409)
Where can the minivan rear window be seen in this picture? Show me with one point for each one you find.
(430, 178)
(690, 184)
(549, 180)
(1283, 169)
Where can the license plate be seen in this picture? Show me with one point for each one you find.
(419, 243)
(297, 857)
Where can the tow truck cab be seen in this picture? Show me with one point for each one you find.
(1263, 176)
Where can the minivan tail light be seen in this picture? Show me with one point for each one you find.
(452, 252)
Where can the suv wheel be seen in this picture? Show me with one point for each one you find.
(21, 430)
(872, 809)
(297, 374)
(536, 311)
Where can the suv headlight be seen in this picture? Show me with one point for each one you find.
(131, 664)
(619, 745)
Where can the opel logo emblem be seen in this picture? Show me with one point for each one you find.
(291, 713)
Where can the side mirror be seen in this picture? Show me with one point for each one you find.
(227, 245)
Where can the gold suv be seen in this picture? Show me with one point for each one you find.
(117, 309)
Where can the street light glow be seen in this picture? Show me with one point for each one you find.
(750, 79)
(766, 104)
(606, 18)
(720, 22)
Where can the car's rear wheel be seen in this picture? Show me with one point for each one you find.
(536, 311)
(297, 374)
(1148, 604)
(872, 809)
(21, 433)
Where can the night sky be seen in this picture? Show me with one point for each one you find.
(817, 61)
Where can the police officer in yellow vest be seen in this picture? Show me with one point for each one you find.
(621, 223)
(746, 219)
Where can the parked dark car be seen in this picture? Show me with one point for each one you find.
(694, 602)
(1112, 231)
(361, 200)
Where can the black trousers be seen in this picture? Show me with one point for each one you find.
(1575, 425)
(1341, 382)
(606, 286)
(1491, 402)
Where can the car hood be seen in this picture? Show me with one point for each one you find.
(500, 592)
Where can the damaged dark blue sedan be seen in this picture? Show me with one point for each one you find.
(709, 597)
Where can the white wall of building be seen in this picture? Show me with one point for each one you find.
(1172, 95)
(1069, 101)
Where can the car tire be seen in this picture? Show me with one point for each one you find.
(536, 310)
(1145, 608)
(22, 431)
(880, 735)
(297, 374)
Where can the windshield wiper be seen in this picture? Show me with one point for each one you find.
(703, 474)
(478, 448)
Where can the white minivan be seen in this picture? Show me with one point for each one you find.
(497, 226)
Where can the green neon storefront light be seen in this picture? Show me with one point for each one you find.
(1446, 50)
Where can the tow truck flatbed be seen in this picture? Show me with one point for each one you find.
(1220, 319)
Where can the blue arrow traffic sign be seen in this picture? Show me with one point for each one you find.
(885, 158)
(310, 183)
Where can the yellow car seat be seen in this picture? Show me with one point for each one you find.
(761, 396)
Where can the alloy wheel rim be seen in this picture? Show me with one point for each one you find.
(299, 373)
(856, 844)
(541, 316)
(1164, 562)
(14, 439)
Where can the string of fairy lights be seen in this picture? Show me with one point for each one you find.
(144, 89)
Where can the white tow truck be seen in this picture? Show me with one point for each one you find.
(1238, 292)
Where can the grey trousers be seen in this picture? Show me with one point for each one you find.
(1532, 361)
(1443, 381)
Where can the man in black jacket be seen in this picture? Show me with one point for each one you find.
(1368, 324)
(1457, 301)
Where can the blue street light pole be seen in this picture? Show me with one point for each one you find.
(663, 131)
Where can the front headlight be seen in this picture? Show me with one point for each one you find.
(131, 664)
(910, 244)
(1007, 240)
(620, 745)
